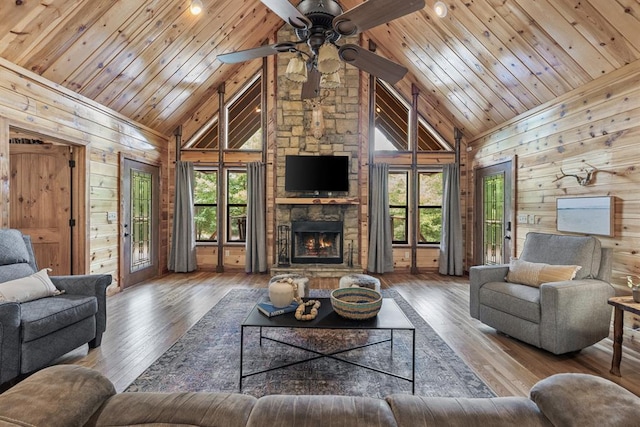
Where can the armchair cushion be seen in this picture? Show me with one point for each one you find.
(535, 274)
(45, 316)
(35, 286)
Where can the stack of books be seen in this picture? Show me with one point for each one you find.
(269, 310)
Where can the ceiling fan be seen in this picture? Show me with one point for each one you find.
(320, 24)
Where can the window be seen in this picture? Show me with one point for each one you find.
(236, 205)
(244, 118)
(205, 198)
(398, 205)
(391, 120)
(206, 138)
(430, 206)
(392, 117)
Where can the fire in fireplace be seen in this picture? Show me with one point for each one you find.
(316, 242)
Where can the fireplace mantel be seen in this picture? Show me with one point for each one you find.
(317, 201)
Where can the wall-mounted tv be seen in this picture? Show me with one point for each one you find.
(316, 174)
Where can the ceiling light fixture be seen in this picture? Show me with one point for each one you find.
(195, 7)
(440, 8)
(330, 81)
(297, 70)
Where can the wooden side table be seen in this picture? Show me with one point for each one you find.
(620, 304)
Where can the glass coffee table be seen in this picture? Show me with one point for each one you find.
(390, 318)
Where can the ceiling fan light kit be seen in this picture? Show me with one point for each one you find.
(330, 81)
(195, 7)
(319, 24)
(328, 60)
(297, 70)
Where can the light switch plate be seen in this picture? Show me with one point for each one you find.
(522, 219)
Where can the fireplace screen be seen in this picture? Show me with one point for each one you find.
(316, 242)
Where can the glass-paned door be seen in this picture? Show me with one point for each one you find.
(140, 222)
(493, 214)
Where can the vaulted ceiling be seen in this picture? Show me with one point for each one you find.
(484, 63)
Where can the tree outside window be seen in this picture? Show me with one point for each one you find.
(398, 205)
(236, 206)
(205, 197)
(430, 206)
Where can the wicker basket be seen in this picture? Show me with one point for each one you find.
(356, 303)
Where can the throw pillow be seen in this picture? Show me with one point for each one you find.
(535, 274)
(13, 250)
(29, 288)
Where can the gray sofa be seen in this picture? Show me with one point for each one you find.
(69, 395)
(560, 317)
(34, 333)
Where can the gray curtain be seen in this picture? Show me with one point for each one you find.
(256, 246)
(182, 257)
(380, 239)
(450, 262)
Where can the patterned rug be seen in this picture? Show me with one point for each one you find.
(206, 358)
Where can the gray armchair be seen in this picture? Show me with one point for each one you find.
(561, 316)
(36, 332)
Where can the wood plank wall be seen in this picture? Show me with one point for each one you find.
(595, 126)
(31, 103)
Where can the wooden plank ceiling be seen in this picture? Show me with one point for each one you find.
(484, 63)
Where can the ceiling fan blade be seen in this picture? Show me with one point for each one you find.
(311, 88)
(288, 13)
(257, 52)
(368, 61)
(372, 13)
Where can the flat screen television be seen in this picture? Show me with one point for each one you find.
(316, 174)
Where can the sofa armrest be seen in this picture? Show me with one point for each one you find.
(88, 285)
(478, 276)
(585, 400)
(9, 341)
(63, 395)
(574, 314)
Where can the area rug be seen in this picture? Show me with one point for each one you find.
(207, 358)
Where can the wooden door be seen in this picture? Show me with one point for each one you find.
(141, 202)
(40, 201)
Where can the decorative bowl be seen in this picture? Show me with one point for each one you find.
(356, 303)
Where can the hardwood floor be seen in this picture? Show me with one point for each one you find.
(145, 320)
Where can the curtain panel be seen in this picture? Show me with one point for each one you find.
(182, 256)
(451, 257)
(380, 238)
(256, 240)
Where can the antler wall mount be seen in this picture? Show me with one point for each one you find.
(319, 24)
(587, 179)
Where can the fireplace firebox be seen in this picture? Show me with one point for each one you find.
(316, 242)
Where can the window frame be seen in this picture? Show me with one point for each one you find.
(421, 207)
(215, 205)
(406, 206)
(229, 105)
(229, 206)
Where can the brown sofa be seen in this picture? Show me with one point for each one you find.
(69, 395)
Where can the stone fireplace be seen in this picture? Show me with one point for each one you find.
(318, 250)
(316, 242)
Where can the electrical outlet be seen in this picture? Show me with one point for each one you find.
(226, 253)
(522, 219)
(112, 216)
(532, 219)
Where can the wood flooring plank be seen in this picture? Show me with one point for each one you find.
(145, 320)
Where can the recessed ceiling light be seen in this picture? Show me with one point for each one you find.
(195, 7)
(440, 8)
